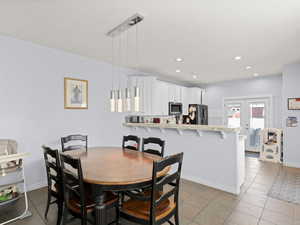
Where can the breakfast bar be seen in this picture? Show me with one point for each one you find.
(215, 154)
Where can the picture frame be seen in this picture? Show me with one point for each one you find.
(292, 121)
(293, 103)
(75, 93)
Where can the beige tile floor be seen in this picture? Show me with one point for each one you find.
(201, 205)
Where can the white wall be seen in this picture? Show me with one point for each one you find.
(32, 101)
(291, 82)
(267, 85)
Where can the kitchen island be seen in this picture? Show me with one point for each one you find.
(213, 155)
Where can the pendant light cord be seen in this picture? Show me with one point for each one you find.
(136, 51)
(120, 60)
(127, 56)
(112, 64)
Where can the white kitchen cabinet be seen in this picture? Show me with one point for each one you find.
(174, 92)
(194, 95)
(156, 95)
(161, 98)
(184, 99)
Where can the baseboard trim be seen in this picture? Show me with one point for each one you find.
(225, 188)
(291, 164)
(31, 187)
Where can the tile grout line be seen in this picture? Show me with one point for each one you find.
(240, 199)
(260, 218)
(34, 206)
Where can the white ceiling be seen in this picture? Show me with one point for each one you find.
(206, 33)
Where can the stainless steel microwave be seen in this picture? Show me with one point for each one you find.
(175, 108)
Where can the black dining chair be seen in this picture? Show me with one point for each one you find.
(81, 142)
(131, 142)
(154, 141)
(54, 178)
(79, 201)
(155, 207)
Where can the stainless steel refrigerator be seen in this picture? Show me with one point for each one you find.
(198, 114)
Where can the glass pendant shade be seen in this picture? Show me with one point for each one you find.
(127, 100)
(119, 101)
(112, 101)
(136, 99)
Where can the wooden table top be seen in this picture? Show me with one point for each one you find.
(116, 166)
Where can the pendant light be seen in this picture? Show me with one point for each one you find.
(136, 97)
(112, 91)
(112, 100)
(117, 103)
(127, 100)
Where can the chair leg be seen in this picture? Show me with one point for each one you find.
(48, 204)
(176, 217)
(60, 212)
(64, 215)
(117, 214)
(84, 220)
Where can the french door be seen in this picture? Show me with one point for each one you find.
(251, 115)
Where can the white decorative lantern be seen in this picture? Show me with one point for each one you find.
(136, 99)
(112, 101)
(119, 101)
(127, 100)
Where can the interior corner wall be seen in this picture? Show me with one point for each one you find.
(261, 86)
(32, 101)
(291, 140)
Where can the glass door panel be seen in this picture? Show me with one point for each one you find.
(233, 115)
(256, 122)
(251, 115)
(257, 115)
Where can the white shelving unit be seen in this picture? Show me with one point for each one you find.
(11, 172)
(271, 147)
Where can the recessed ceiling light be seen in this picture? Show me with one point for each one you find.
(256, 74)
(237, 58)
(248, 67)
(195, 76)
(177, 71)
(179, 59)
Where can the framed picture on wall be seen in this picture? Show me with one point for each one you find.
(76, 93)
(293, 103)
(292, 121)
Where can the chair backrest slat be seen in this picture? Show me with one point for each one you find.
(165, 196)
(66, 142)
(131, 138)
(168, 179)
(154, 141)
(168, 161)
(52, 165)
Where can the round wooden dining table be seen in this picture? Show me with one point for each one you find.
(114, 169)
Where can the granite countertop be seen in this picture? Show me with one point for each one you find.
(184, 127)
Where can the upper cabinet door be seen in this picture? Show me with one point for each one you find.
(160, 98)
(195, 96)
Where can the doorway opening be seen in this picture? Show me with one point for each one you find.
(251, 114)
